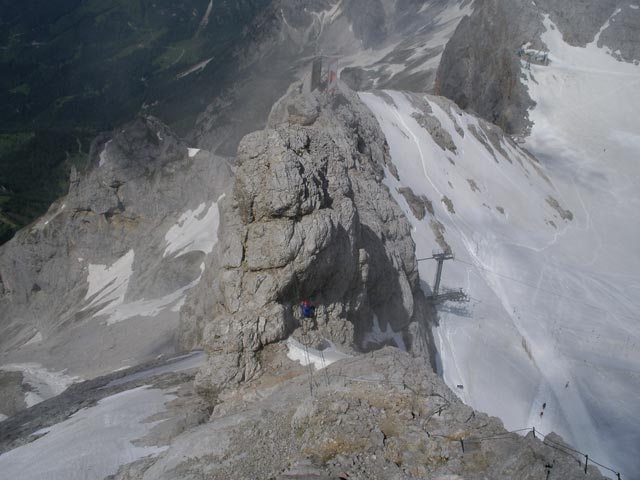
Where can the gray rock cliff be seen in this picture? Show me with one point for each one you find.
(107, 244)
(309, 219)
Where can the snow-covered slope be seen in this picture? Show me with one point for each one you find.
(94, 442)
(99, 425)
(548, 321)
(587, 131)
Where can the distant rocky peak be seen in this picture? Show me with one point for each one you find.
(141, 146)
(480, 68)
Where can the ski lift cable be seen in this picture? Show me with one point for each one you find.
(548, 292)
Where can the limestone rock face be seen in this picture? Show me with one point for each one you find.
(309, 219)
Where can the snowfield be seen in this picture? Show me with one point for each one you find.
(93, 443)
(548, 253)
(587, 131)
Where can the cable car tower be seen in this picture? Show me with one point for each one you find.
(441, 256)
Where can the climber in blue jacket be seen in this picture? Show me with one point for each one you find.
(306, 309)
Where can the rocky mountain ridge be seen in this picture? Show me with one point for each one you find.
(307, 191)
(355, 421)
(166, 246)
(377, 416)
(92, 273)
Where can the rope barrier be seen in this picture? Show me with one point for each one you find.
(544, 437)
(548, 292)
(422, 335)
(555, 445)
(305, 342)
(324, 367)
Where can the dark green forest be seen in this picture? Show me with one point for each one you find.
(70, 69)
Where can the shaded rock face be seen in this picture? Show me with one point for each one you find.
(11, 393)
(308, 220)
(140, 182)
(480, 70)
(622, 34)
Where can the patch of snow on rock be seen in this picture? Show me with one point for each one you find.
(37, 338)
(196, 230)
(377, 336)
(182, 363)
(151, 308)
(108, 285)
(319, 359)
(103, 155)
(195, 68)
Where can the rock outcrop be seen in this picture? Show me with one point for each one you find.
(309, 219)
(379, 416)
